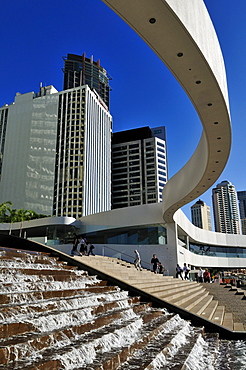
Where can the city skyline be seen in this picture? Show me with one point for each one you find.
(144, 91)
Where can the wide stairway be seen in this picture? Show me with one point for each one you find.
(190, 299)
(54, 316)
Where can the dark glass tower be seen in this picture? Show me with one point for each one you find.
(139, 166)
(241, 195)
(79, 70)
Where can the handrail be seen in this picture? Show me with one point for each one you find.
(125, 254)
(142, 261)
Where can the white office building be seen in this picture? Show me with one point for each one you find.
(200, 215)
(55, 152)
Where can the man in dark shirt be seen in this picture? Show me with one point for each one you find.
(154, 261)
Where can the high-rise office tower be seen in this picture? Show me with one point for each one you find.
(241, 195)
(225, 207)
(55, 152)
(79, 71)
(83, 154)
(200, 214)
(139, 166)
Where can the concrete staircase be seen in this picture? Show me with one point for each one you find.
(189, 299)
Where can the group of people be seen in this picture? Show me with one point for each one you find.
(180, 270)
(156, 264)
(81, 246)
(203, 276)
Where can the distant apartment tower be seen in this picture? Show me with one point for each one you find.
(200, 214)
(241, 195)
(225, 207)
(55, 152)
(79, 70)
(139, 166)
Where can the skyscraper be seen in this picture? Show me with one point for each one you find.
(242, 209)
(79, 70)
(55, 152)
(82, 183)
(139, 166)
(200, 214)
(225, 207)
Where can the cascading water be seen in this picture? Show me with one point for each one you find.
(57, 317)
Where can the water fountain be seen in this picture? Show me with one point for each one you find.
(54, 316)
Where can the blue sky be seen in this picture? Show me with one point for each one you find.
(35, 35)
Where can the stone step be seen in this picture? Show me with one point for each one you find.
(178, 357)
(187, 297)
(209, 311)
(238, 326)
(228, 320)
(39, 285)
(16, 328)
(200, 301)
(34, 259)
(165, 287)
(11, 348)
(202, 304)
(199, 307)
(177, 293)
(34, 296)
(218, 315)
(145, 283)
(20, 253)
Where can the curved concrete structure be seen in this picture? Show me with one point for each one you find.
(182, 35)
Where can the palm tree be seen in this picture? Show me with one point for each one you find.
(9, 215)
(22, 215)
(5, 211)
(12, 218)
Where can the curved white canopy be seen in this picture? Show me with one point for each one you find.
(182, 35)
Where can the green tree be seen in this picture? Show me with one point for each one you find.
(9, 215)
(5, 212)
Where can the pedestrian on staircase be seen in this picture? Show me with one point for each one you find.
(206, 276)
(161, 268)
(81, 246)
(200, 275)
(186, 271)
(75, 244)
(91, 247)
(154, 261)
(137, 261)
(179, 272)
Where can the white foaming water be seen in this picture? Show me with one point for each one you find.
(66, 314)
(41, 285)
(34, 310)
(62, 320)
(87, 352)
(165, 357)
(201, 356)
(231, 355)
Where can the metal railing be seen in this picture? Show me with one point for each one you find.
(127, 257)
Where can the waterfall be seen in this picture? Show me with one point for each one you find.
(54, 316)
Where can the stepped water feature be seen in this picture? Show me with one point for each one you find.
(55, 316)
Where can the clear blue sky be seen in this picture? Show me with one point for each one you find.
(36, 34)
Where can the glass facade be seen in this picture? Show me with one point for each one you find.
(144, 235)
(217, 251)
(79, 71)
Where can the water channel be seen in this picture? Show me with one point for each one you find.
(56, 317)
